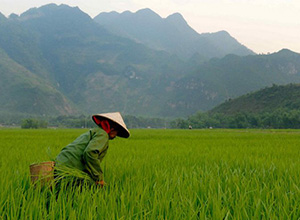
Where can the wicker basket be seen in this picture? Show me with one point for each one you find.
(42, 172)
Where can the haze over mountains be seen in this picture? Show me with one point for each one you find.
(171, 34)
(58, 60)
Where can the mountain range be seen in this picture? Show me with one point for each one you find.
(57, 60)
(218, 80)
(171, 34)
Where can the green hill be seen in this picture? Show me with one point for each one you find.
(265, 100)
(271, 107)
(23, 92)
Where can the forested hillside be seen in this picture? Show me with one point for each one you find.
(57, 60)
(265, 100)
(217, 80)
(271, 107)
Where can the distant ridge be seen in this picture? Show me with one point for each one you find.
(57, 60)
(172, 34)
(217, 80)
(2, 17)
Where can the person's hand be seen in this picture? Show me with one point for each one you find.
(100, 183)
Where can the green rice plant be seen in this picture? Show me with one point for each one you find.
(159, 174)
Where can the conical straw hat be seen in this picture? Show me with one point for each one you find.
(117, 118)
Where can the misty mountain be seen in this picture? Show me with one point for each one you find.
(23, 92)
(94, 69)
(58, 60)
(2, 17)
(171, 34)
(222, 79)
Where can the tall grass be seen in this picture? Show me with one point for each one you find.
(160, 174)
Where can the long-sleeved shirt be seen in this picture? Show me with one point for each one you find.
(86, 153)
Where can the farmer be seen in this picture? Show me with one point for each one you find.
(88, 150)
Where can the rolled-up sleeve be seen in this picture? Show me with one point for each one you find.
(94, 153)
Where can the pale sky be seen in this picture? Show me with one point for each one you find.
(264, 26)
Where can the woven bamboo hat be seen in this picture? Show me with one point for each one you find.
(117, 118)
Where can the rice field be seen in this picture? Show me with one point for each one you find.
(160, 174)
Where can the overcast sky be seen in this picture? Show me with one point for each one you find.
(262, 25)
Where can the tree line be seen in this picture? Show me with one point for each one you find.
(84, 121)
(280, 118)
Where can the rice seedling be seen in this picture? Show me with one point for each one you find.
(160, 174)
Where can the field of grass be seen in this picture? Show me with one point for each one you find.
(161, 174)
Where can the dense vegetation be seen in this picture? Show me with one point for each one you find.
(280, 118)
(272, 107)
(265, 100)
(33, 123)
(76, 121)
(160, 174)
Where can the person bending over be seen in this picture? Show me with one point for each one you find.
(88, 150)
